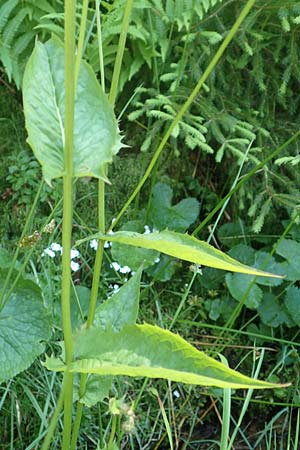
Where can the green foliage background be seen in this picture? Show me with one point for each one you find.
(249, 105)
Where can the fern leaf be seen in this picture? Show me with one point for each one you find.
(5, 11)
(14, 25)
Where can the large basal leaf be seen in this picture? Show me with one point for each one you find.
(149, 351)
(241, 287)
(163, 214)
(122, 308)
(96, 136)
(292, 299)
(24, 326)
(290, 250)
(184, 247)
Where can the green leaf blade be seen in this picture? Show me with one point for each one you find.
(149, 351)
(184, 247)
(24, 326)
(122, 308)
(96, 136)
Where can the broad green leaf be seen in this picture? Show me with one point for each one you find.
(272, 313)
(184, 247)
(292, 303)
(122, 308)
(24, 326)
(163, 215)
(97, 389)
(124, 254)
(240, 284)
(290, 250)
(149, 351)
(164, 269)
(96, 136)
(271, 266)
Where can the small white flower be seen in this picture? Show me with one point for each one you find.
(116, 287)
(75, 266)
(74, 253)
(147, 229)
(56, 247)
(157, 260)
(107, 244)
(48, 252)
(94, 244)
(125, 269)
(176, 394)
(115, 266)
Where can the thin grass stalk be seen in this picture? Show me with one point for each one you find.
(70, 20)
(120, 52)
(246, 402)
(100, 48)
(54, 418)
(4, 296)
(226, 412)
(186, 106)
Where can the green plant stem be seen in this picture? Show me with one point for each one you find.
(112, 432)
(101, 198)
(246, 402)
(243, 180)
(80, 44)
(187, 105)
(100, 49)
(226, 413)
(4, 296)
(70, 20)
(120, 52)
(54, 418)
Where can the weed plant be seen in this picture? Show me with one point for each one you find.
(143, 415)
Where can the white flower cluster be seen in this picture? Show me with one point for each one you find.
(55, 248)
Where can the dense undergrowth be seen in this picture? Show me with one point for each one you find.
(249, 106)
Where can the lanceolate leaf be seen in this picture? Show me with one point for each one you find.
(24, 326)
(96, 137)
(184, 247)
(149, 351)
(122, 308)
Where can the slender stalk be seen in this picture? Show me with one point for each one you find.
(4, 296)
(120, 52)
(54, 419)
(70, 20)
(81, 38)
(101, 198)
(100, 49)
(187, 104)
(112, 432)
(226, 412)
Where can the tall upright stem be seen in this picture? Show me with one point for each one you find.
(70, 18)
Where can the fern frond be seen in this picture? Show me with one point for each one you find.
(5, 12)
